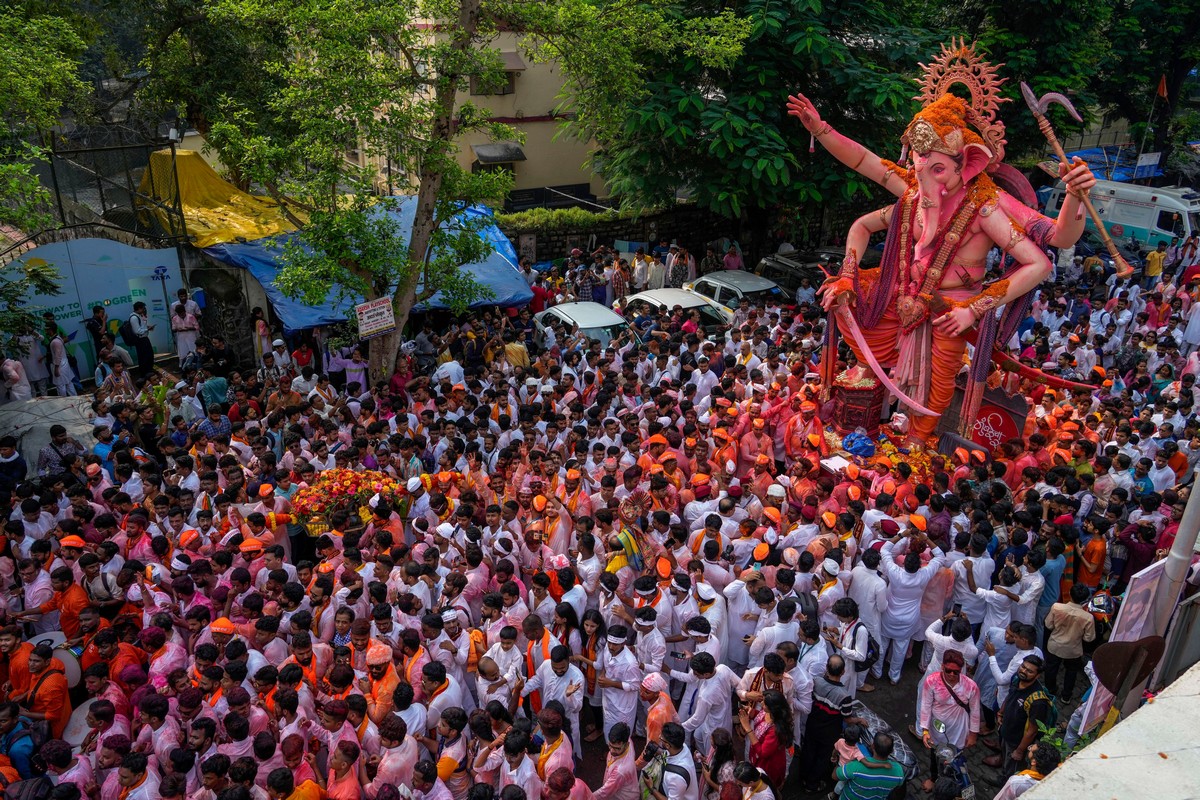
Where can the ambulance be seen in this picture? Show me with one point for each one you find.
(1146, 214)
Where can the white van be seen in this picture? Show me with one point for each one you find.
(1146, 213)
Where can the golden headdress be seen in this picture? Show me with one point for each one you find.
(944, 123)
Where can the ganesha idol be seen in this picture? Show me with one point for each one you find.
(911, 318)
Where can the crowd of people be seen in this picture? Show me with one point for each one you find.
(618, 570)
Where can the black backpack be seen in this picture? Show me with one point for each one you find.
(872, 652)
(38, 788)
(126, 333)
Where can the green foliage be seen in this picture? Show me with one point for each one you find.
(542, 220)
(39, 64)
(352, 86)
(1053, 45)
(1054, 737)
(722, 134)
(198, 59)
(1148, 40)
(17, 283)
(608, 49)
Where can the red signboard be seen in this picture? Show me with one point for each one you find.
(993, 426)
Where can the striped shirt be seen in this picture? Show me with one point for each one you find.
(869, 780)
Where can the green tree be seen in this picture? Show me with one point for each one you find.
(1053, 45)
(387, 80)
(1150, 40)
(39, 62)
(721, 133)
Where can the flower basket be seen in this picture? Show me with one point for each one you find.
(343, 490)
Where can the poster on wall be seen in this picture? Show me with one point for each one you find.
(99, 272)
(1135, 619)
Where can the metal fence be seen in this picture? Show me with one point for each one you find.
(99, 176)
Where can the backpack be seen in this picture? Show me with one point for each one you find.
(38, 788)
(806, 605)
(872, 653)
(1041, 694)
(125, 331)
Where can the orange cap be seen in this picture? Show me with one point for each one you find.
(759, 423)
(657, 438)
(771, 513)
(250, 545)
(700, 479)
(222, 625)
(663, 568)
(855, 492)
(761, 551)
(72, 541)
(573, 475)
(918, 521)
(852, 471)
(961, 454)
(829, 518)
(539, 503)
(889, 487)
(265, 490)
(814, 439)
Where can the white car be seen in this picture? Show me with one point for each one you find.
(594, 320)
(712, 315)
(730, 286)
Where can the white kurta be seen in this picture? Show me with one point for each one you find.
(620, 702)
(743, 619)
(904, 591)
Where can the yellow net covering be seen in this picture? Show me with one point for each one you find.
(215, 211)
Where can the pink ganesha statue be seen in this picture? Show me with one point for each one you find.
(910, 320)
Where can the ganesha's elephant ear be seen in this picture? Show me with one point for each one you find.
(1014, 182)
(976, 159)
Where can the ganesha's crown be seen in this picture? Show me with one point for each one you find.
(945, 122)
(923, 139)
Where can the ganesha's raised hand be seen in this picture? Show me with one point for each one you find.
(1077, 176)
(803, 109)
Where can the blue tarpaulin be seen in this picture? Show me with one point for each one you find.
(498, 273)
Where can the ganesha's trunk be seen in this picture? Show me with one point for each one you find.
(930, 204)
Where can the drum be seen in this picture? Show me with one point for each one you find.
(68, 657)
(77, 728)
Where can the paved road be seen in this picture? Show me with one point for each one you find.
(896, 704)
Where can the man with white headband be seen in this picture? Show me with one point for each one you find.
(619, 676)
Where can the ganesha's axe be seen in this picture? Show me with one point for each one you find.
(1038, 108)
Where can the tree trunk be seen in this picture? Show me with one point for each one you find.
(441, 130)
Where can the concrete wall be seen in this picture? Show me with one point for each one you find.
(1154, 753)
(530, 109)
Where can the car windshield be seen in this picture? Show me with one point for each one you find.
(708, 315)
(763, 294)
(606, 333)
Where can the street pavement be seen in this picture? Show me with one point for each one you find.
(897, 705)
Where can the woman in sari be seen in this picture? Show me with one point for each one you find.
(1163, 376)
(716, 768)
(593, 638)
(770, 734)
